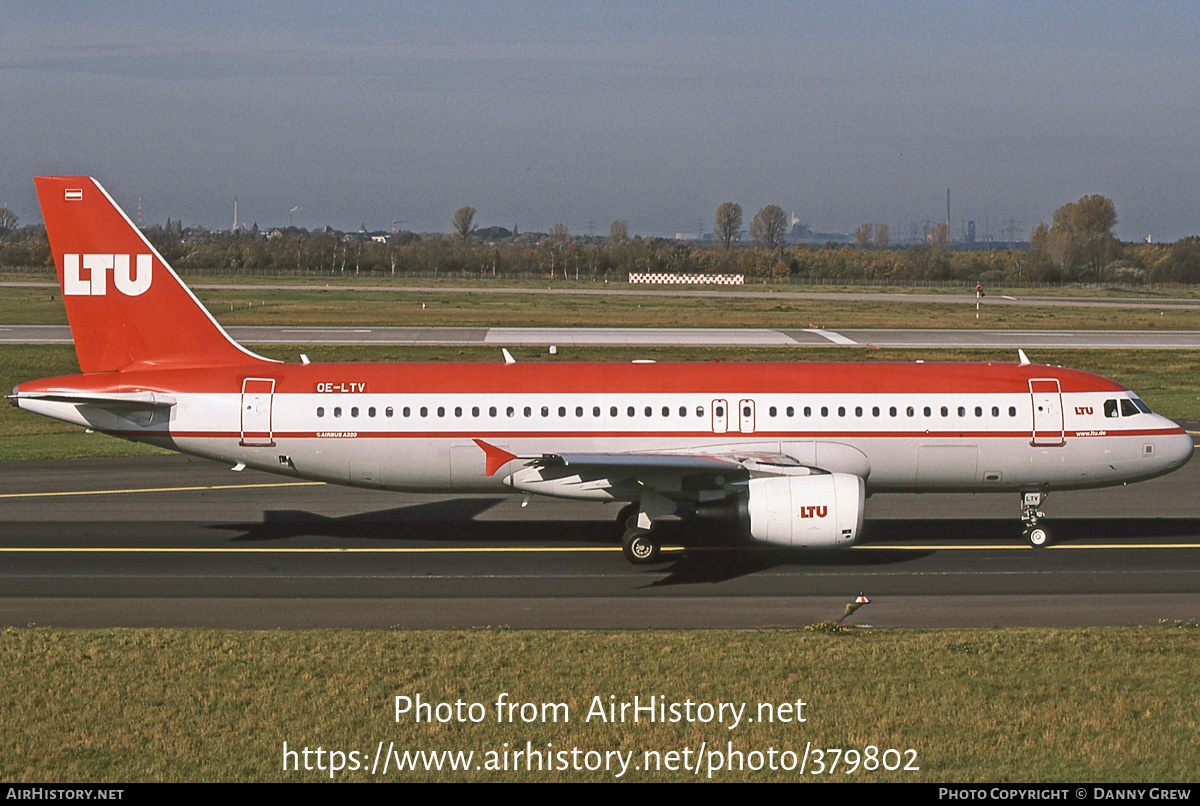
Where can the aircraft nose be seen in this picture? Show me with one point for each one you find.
(1177, 449)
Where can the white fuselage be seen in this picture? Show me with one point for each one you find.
(964, 441)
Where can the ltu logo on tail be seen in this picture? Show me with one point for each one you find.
(97, 267)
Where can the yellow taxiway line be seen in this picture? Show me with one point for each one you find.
(530, 549)
(165, 489)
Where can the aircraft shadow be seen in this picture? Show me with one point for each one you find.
(715, 553)
(440, 521)
(1008, 530)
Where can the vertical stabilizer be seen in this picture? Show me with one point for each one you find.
(126, 306)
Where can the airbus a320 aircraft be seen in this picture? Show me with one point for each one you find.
(786, 452)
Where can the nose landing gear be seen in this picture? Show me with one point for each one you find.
(1037, 535)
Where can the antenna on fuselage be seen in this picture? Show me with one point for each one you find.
(508, 359)
(1024, 358)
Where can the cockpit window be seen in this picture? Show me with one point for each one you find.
(1110, 408)
(1127, 407)
(1142, 407)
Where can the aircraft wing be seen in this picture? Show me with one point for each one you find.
(636, 461)
(627, 476)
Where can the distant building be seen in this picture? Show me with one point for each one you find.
(492, 234)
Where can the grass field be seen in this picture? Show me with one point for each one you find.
(1104, 705)
(350, 279)
(340, 304)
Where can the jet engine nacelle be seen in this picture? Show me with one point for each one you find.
(817, 511)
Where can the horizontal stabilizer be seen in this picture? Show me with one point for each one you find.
(123, 401)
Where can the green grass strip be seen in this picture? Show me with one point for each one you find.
(1112, 705)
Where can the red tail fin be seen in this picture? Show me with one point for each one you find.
(126, 306)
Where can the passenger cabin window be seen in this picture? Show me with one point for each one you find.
(320, 411)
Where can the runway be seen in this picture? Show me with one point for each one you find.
(175, 541)
(668, 337)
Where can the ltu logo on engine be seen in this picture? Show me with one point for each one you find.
(813, 512)
(97, 267)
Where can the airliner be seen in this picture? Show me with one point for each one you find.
(786, 453)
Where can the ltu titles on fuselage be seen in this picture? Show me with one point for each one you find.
(661, 709)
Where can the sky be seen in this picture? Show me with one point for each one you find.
(539, 113)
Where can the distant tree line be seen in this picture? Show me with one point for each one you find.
(1077, 246)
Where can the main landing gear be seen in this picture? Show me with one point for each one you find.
(639, 547)
(1037, 535)
(637, 543)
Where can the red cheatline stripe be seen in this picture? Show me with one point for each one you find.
(755, 435)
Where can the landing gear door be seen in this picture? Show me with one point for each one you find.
(257, 396)
(720, 416)
(1047, 412)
